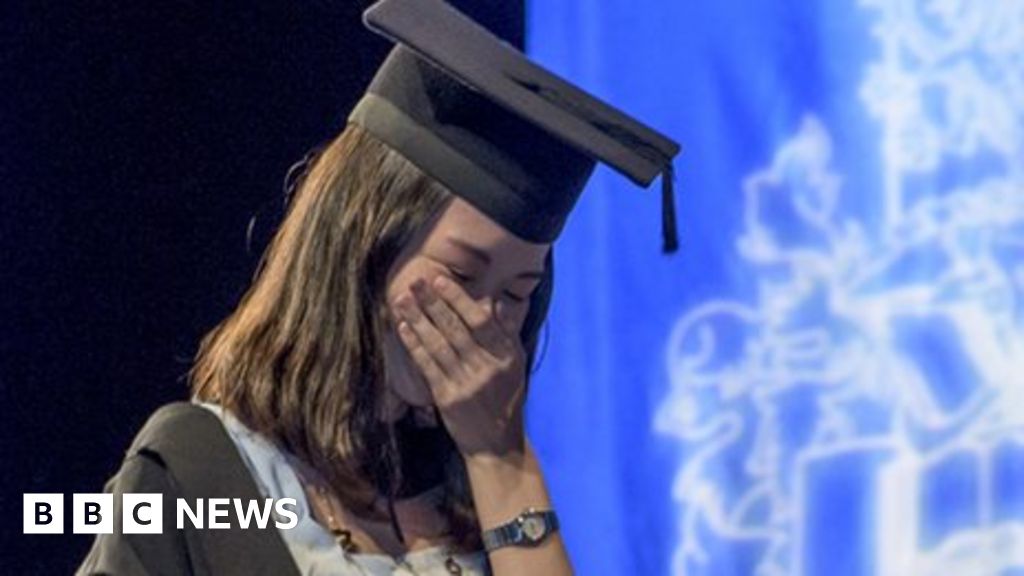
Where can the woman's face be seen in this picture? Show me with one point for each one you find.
(490, 263)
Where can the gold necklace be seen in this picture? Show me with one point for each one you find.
(344, 536)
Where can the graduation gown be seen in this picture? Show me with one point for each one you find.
(183, 451)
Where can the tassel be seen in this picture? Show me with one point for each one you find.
(670, 237)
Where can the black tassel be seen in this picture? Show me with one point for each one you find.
(670, 237)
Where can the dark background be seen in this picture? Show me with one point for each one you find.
(139, 141)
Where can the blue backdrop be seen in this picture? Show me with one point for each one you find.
(828, 378)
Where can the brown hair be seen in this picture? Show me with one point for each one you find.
(300, 359)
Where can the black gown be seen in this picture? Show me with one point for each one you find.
(183, 451)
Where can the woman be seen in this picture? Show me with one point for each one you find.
(279, 364)
(376, 370)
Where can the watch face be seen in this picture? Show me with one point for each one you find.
(533, 527)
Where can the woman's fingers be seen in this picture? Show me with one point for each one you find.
(421, 356)
(480, 320)
(428, 336)
(461, 337)
(478, 393)
(448, 322)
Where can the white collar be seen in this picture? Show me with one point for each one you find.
(313, 548)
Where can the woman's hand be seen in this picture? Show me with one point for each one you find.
(476, 369)
(473, 363)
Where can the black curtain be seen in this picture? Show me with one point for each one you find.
(140, 139)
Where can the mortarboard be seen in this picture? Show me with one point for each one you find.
(513, 139)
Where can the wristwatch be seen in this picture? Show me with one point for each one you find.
(530, 528)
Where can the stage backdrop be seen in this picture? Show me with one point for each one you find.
(828, 378)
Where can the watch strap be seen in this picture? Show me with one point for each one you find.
(516, 531)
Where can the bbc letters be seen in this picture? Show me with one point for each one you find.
(144, 513)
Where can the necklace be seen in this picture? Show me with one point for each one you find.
(343, 536)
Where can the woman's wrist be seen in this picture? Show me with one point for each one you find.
(504, 485)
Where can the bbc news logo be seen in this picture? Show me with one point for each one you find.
(144, 513)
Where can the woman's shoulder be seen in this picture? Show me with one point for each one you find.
(165, 439)
(191, 442)
(174, 425)
(184, 452)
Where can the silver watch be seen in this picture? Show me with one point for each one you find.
(530, 528)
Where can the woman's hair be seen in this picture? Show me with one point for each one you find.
(300, 359)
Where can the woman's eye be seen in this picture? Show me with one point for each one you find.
(460, 276)
(515, 297)
(465, 278)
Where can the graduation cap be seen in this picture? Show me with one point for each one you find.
(513, 139)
